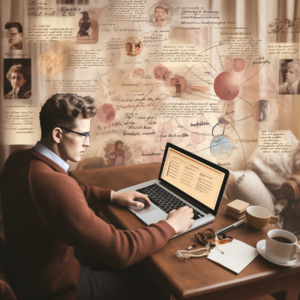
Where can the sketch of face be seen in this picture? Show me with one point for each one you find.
(128, 48)
(160, 14)
(17, 80)
(291, 74)
(14, 37)
(119, 146)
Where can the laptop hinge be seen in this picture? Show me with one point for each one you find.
(185, 197)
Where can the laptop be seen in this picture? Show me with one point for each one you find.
(184, 179)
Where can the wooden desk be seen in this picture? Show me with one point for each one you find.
(199, 278)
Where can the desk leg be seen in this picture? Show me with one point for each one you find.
(292, 294)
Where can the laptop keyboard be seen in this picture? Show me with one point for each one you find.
(164, 200)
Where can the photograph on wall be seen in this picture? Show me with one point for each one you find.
(14, 35)
(289, 76)
(17, 78)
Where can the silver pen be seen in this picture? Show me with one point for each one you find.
(228, 228)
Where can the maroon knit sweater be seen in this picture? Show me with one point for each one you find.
(46, 214)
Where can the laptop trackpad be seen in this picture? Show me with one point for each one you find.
(146, 210)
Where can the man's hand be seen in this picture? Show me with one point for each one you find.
(181, 219)
(127, 198)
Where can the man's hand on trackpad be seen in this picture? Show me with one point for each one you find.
(131, 198)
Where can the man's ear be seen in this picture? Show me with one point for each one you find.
(57, 135)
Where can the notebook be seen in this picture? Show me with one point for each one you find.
(236, 255)
(184, 179)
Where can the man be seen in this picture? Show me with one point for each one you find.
(46, 214)
(18, 77)
(292, 83)
(160, 15)
(129, 49)
(264, 110)
(14, 33)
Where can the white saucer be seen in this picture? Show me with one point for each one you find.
(261, 248)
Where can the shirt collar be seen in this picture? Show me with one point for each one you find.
(48, 153)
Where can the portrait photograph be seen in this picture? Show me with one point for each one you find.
(87, 30)
(160, 14)
(264, 110)
(17, 78)
(289, 72)
(132, 46)
(14, 35)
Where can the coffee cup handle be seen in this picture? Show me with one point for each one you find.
(273, 219)
(296, 254)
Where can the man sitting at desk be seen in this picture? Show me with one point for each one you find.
(46, 215)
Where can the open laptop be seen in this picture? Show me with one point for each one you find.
(184, 179)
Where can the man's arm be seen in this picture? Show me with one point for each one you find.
(63, 209)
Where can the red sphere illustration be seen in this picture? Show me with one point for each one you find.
(226, 85)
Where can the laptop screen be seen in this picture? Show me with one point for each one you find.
(196, 177)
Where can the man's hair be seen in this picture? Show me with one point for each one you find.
(10, 25)
(61, 110)
(295, 63)
(17, 69)
(129, 44)
(161, 7)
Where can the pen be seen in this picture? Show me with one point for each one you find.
(230, 227)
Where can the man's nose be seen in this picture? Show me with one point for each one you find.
(87, 142)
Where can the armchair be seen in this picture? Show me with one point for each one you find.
(272, 180)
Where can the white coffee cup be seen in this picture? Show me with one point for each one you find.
(283, 248)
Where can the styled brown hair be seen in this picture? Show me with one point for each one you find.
(17, 69)
(10, 25)
(61, 110)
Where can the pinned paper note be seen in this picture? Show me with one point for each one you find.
(237, 255)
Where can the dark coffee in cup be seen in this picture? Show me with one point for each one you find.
(281, 239)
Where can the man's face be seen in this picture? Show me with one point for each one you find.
(17, 80)
(119, 146)
(291, 74)
(160, 14)
(71, 146)
(13, 36)
(128, 48)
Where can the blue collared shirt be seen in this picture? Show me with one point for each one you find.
(45, 151)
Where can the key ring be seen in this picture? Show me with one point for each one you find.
(186, 254)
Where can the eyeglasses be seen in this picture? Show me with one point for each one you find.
(208, 236)
(86, 135)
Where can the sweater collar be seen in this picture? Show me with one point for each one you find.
(51, 155)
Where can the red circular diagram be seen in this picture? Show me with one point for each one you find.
(161, 72)
(226, 85)
(106, 113)
(239, 64)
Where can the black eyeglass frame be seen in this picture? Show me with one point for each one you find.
(86, 135)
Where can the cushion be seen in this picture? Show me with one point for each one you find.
(249, 188)
(275, 168)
